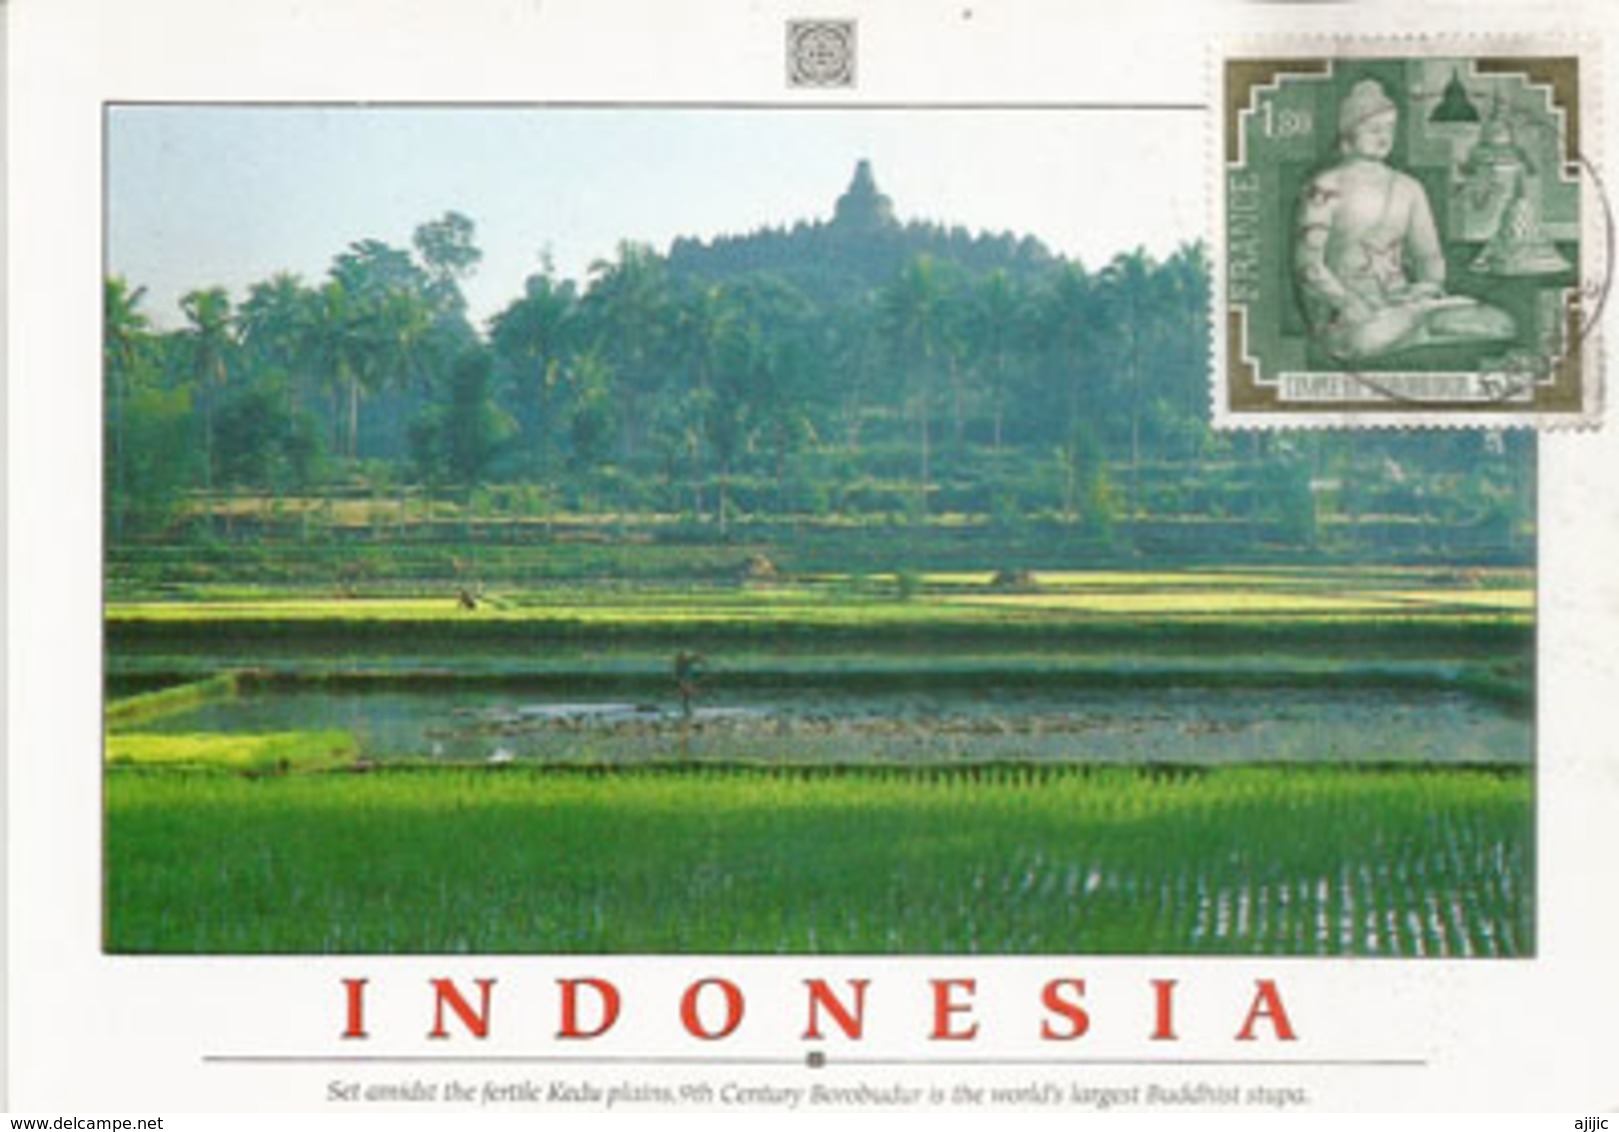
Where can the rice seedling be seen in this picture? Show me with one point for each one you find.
(988, 859)
(275, 753)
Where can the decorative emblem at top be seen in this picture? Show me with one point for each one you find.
(820, 53)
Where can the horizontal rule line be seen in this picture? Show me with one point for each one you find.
(828, 1063)
(479, 1059)
(609, 104)
(1158, 1062)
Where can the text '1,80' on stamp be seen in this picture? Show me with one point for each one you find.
(1411, 236)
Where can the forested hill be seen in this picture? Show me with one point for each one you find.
(860, 250)
(851, 376)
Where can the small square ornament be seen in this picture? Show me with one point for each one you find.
(821, 53)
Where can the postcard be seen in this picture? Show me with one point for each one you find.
(810, 558)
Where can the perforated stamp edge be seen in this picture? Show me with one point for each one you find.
(1584, 412)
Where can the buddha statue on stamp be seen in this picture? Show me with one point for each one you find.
(1366, 252)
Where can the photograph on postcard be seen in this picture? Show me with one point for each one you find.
(635, 530)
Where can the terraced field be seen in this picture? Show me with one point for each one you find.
(1285, 762)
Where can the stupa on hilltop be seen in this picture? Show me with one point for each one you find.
(862, 208)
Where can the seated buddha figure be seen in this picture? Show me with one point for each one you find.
(1366, 251)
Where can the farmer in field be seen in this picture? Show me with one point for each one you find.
(688, 668)
(1366, 253)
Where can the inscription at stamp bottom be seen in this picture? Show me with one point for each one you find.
(1405, 240)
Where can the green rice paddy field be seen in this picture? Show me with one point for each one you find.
(259, 842)
(987, 860)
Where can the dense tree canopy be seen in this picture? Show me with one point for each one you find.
(853, 369)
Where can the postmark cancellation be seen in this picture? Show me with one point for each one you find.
(1407, 237)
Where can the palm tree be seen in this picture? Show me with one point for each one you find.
(277, 323)
(783, 408)
(405, 352)
(371, 268)
(1185, 277)
(125, 326)
(337, 350)
(628, 303)
(530, 335)
(706, 320)
(383, 301)
(362, 342)
(396, 330)
(992, 324)
(854, 346)
(588, 380)
(729, 419)
(956, 346)
(209, 339)
(1067, 325)
(126, 335)
(1130, 281)
(911, 316)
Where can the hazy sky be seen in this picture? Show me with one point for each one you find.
(228, 195)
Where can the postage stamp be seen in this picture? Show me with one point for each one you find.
(1408, 238)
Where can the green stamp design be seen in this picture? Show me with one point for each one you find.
(1406, 240)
